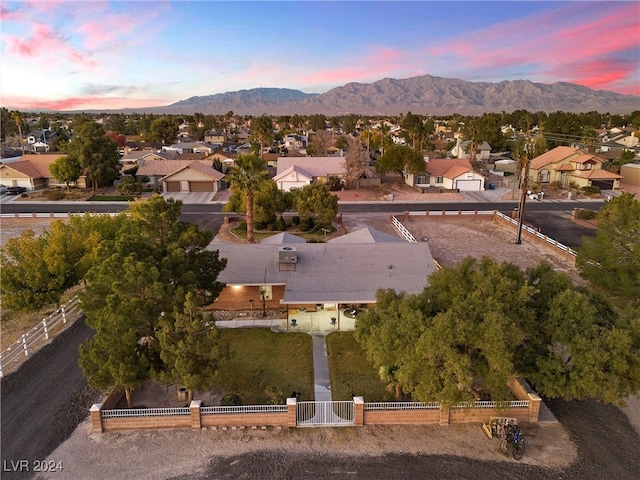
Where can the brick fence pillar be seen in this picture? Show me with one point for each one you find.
(96, 418)
(444, 415)
(291, 412)
(534, 407)
(194, 410)
(358, 411)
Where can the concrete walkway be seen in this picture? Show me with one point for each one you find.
(321, 380)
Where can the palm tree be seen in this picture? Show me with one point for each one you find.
(17, 118)
(249, 171)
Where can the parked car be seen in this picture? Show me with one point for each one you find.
(15, 190)
(3, 189)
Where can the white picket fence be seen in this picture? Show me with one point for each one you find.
(537, 234)
(29, 342)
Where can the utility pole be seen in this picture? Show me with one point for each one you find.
(525, 187)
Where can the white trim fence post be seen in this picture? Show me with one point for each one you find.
(64, 315)
(46, 329)
(24, 344)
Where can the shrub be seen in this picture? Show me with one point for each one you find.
(295, 220)
(585, 214)
(242, 227)
(334, 184)
(231, 400)
(55, 194)
(271, 227)
(555, 185)
(591, 190)
(310, 222)
(304, 227)
(274, 396)
(281, 225)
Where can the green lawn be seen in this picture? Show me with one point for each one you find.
(262, 359)
(350, 372)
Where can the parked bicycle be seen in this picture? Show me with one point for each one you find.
(511, 437)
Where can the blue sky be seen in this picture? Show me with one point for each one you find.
(101, 54)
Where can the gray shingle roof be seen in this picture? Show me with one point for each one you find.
(331, 272)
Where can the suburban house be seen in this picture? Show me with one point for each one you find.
(134, 157)
(619, 141)
(40, 141)
(296, 172)
(192, 147)
(447, 173)
(32, 172)
(461, 150)
(215, 136)
(320, 286)
(226, 159)
(295, 142)
(569, 165)
(631, 173)
(182, 176)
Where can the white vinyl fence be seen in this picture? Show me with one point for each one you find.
(38, 335)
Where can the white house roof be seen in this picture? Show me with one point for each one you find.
(282, 238)
(314, 166)
(331, 272)
(291, 169)
(366, 235)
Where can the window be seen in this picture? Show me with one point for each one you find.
(543, 176)
(439, 180)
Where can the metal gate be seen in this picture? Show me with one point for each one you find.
(311, 414)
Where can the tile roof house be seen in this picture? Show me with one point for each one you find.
(315, 282)
(569, 165)
(32, 172)
(184, 176)
(447, 173)
(296, 172)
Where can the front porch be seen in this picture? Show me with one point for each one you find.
(318, 318)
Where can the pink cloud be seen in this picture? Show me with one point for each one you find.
(108, 29)
(545, 44)
(42, 42)
(379, 63)
(79, 103)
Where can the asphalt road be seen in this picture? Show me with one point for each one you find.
(44, 401)
(216, 208)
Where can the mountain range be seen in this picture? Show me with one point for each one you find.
(425, 95)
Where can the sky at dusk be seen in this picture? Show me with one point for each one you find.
(63, 55)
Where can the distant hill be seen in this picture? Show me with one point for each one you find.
(420, 95)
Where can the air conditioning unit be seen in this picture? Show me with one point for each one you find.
(288, 255)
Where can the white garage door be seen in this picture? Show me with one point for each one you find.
(469, 185)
